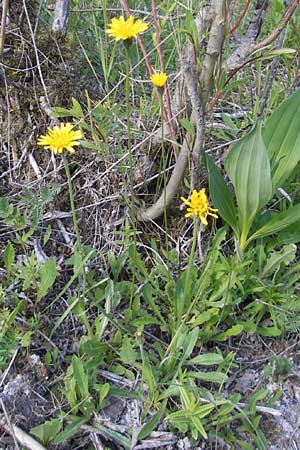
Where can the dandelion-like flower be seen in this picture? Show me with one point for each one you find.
(61, 138)
(159, 79)
(198, 206)
(121, 29)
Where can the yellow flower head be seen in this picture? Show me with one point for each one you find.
(198, 206)
(121, 29)
(61, 138)
(159, 79)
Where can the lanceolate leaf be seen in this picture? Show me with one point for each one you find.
(248, 167)
(282, 139)
(278, 222)
(221, 195)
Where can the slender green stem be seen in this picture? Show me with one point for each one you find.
(187, 281)
(67, 169)
(164, 173)
(192, 254)
(243, 238)
(131, 172)
(78, 246)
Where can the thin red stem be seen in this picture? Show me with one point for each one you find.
(162, 65)
(246, 7)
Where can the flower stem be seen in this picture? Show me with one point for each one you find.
(164, 173)
(78, 247)
(131, 172)
(67, 169)
(187, 281)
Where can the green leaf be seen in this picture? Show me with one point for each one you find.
(248, 167)
(233, 331)
(119, 438)
(10, 319)
(189, 343)
(80, 377)
(6, 209)
(47, 430)
(278, 222)
(47, 273)
(221, 195)
(286, 255)
(148, 293)
(189, 127)
(282, 139)
(208, 359)
(212, 377)
(128, 354)
(268, 331)
(290, 52)
(104, 391)
(26, 339)
(70, 430)
(290, 235)
(76, 108)
(153, 422)
(9, 256)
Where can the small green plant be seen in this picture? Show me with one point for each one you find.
(259, 164)
(277, 367)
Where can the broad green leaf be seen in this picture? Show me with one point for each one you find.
(47, 430)
(104, 391)
(233, 331)
(278, 222)
(189, 343)
(221, 195)
(189, 126)
(208, 359)
(76, 108)
(148, 293)
(196, 421)
(289, 52)
(47, 273)
(212, 377)
(9, 256)
(153, 422)
(119, 438)
(286, 255)
(281, 136)
(268, 331)
(248, 167)
(128, 354)
(290, 235)
(204, 410)
(8, 322)
(70, 430)
(80, 376)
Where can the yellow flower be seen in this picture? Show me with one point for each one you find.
(122, 29)
(61, 138)
(198, 206)
(159, 79)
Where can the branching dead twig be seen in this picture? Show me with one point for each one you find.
(248, 43)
